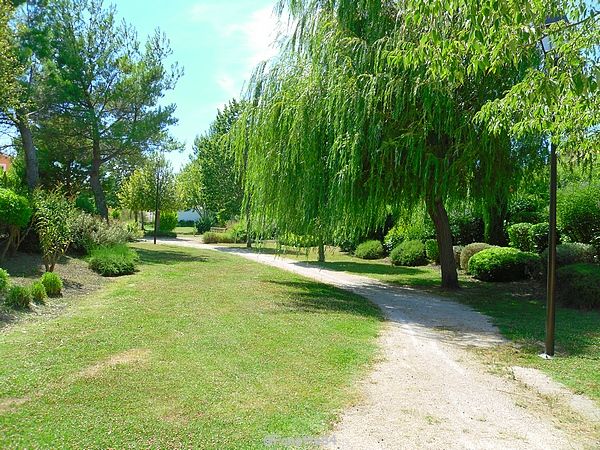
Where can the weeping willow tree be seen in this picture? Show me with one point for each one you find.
(373, 103)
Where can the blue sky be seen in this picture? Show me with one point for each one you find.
(218, 43)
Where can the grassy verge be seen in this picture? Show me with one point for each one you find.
(518, 309)
(198, 349)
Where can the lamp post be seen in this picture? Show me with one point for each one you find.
(547, 47)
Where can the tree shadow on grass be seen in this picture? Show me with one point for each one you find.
(306, 296)
(163, 256)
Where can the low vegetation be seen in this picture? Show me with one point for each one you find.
(579, 285)
(504, 264)
(52, 283)
(409, 253)
(113, 261)
(189, 365)
(369, 250)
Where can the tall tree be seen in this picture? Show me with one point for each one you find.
(398, 86)
(108, 85)
(211, 181)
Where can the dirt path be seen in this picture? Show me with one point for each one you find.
(427, 390)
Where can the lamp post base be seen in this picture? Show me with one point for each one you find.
(546, 356)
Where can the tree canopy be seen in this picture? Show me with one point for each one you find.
(376, 104)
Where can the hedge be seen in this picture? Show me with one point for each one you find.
(504, 264)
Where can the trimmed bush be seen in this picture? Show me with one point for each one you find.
(504, 264)
(18, 297)
(469, 251)
(409, 253)
(432, 250)
(217, 238)
(519, 236)
(113, 261)
(4, 281)
(579, 286)
(571, 253)
(168, 221)
(52, 283)
(369, 250)
(579, 212)
(38, 293)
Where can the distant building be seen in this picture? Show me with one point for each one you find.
(188, 216)
(5, 162)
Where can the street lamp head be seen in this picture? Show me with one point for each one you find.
(546, 40)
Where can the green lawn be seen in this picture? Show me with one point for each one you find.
(199, 349)
(518, 309)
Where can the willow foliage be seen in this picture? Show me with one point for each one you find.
(376, 103)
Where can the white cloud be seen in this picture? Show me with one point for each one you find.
(228, 84)
(259, 34)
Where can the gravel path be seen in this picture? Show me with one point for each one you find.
(427, 390)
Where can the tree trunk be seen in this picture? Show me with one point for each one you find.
(439, 216)
(31, 161)
(248, 225)
(321, 252)
(95, 182)
(494, 218)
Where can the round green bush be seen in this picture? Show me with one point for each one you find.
(15, 209)
(432, 250)
(18, 297)
(469, 251)
(409, 253)
(168, 221)
(52, 283)
(38, 293)
(579, 285)
(503, 264)
(4, 281)
(519, 236)
(571, 253)
(579, 212)
(369, 250)
(538, 236)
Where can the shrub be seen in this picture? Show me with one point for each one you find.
(217, 238)
(432, 250)
(579, 212)
(168, 221)
(53, 223)
(4, 281)
(539, 236)
(418, 229)
(204, 223)
(369, 250)
(186, 223)
(238, 232)
(519, 236)
(469, 251)
(18, 297)
(113, 261)
(503, 264)
(347, 246)
(409, 253)
(15, 214)
(52, 283)
(134, 232)
(393, 238)
(571, 253)
(89, 232)
(38, 293)
(579, 285)
(115, 214)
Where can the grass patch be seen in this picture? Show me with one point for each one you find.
(113, 261)
(198, 349)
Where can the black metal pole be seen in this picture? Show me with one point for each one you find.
(552, 240)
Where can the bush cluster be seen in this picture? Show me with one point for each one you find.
(113, 261)
(519, 236)
(38, 293)
(503, 264)
(21, 296)
(217, 238)
(89, 232)
(579, 285)
(417, 230)
(432, 250)
(168, 221)
(409, 253)
(369, 250)
(469, 251)
(572, 253)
